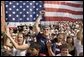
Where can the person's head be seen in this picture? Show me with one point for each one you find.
(64, 50)
(11, 30)
(25, 32)
(13, 35)
(20, 38)
(60, 37)
(34, 49)
(46, 30)
(70, 40)
(24, 27)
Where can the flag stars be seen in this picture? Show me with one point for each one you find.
(30, 15)
(10, 9)
(20, 1)
(24, 3)
(27, 12)
(10, 3)
(36, 8)
(17, 3)
(20, 12)
(30, 3)
(34, 18)
(33, 12)
(27, 18)
(20, 6)
(24, 15)
(37, 15)
(6, 11)
(17, 15)
(33, 6)
(13, 12)
(30, 9)
(17, 9)
(13, 6)
(6, 5)
(40, 5)
(20, 18)
(27, 6)
(36, 3)
(13, 19)
(9, 15)
(27, 1)
(23, 9)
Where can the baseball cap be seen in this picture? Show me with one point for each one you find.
(46, 26)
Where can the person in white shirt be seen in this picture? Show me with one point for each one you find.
(19, 47)
(8, 45)
(78, 43)
(20, 41)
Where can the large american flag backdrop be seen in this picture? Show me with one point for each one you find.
(25, 12)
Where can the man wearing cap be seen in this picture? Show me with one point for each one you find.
(42, 38)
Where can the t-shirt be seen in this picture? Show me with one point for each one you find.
(60, 55)
(78, 46)
(56, 48)
(17, 52)
(42, 42)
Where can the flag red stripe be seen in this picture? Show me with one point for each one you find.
(72, 4)
(60, 19)
(63, 3)
(63, 10)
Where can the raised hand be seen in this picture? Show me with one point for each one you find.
(42, 12)
(7, 32)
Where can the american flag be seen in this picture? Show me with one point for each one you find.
(22, 11)
(63, 10)
(28, 11)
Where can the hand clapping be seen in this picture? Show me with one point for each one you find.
(48, 43)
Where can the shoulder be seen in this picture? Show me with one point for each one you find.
(69, 55)
(39, 34)
(58, 55)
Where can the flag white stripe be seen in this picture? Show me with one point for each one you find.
(63, 14)
(63, 7)
(15, 24)
(74, 2)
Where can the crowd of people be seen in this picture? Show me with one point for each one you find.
(64, 38)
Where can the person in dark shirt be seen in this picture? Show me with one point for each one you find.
(34, 50)
(43, 37)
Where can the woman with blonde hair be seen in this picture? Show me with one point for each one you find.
(20, 46)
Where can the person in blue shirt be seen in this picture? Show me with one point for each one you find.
(43, 37)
